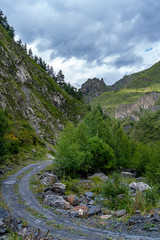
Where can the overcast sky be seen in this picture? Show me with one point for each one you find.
(89, 38)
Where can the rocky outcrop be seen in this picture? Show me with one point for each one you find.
(93, 88)
(132, 110)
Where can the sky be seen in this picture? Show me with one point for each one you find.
(89, 38)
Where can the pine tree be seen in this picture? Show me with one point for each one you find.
(30, 53)
(60, 78)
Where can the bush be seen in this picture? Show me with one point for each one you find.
(4, 151)
(102, 156)
(153, 165)
(117, 193)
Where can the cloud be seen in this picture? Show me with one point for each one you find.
(90, 31)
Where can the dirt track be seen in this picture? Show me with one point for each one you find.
(18, 204)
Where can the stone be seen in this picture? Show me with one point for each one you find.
(91, 202)
(105, 217)
(73, 200)
(59, 188)
(34, 151)
(120, 213)
(94, 210)
(49, 156)
(102, 176)
(154, 229)
(117, 225)
(89, 194)
(57, 202)
(138, 212)
(156, 217)
(48, 178)
(4, 213)
(128, 174)
(80, 210)
(140, 186)
(3, 230)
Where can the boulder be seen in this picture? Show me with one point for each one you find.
(89, 194)
(102, 176)
(73, 200)
(140, 186)
(156, 217)
(49, 156)
(79, 211)
(120, 213)
(128, 174)
(57, 202)
(59, 188)
(94, 210)
(34, 151)
(48, 178)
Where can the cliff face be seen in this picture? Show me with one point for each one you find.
(27, 92)
(133, 110)
(92, 88)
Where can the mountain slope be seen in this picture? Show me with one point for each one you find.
(146, 78)
(128, 96)
(27, 92)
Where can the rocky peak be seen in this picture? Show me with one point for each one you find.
(93, 88)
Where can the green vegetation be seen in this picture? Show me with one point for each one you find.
(147, 129)
(4, 149)
(110, 100)
(117, 193)
(95, 144)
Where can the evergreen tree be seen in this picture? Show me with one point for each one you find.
(19, 42)
(30, 53)
(60, 79)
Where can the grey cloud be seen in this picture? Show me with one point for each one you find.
(86, 29)
(128, 60)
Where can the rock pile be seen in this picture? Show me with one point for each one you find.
(72, 205)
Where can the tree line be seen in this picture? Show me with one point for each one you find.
(9, 29)
(99, 143)
(59, 78)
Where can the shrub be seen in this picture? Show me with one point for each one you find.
(102, 156)
(117, 193)
(4, 151)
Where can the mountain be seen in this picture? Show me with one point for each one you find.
(28, 93)
(132, 94)
(92, 88)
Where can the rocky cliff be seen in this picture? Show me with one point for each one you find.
(92, 88)
(133, 110)
(27, 92)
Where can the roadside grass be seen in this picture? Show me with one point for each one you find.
(25, 157)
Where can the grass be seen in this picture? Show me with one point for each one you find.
(110, 100)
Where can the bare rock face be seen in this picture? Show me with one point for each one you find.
(93, 88)
(146, 102)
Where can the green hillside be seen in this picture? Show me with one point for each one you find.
(129, 89)
(28, 93)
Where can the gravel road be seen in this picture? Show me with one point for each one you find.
(19, 203)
